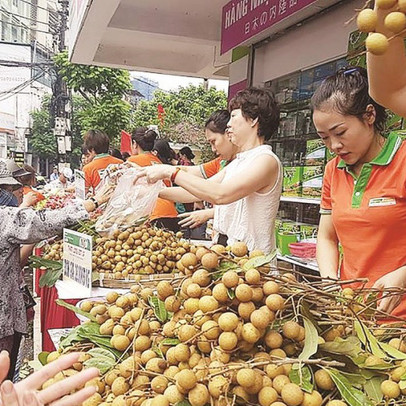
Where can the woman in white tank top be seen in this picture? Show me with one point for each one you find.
(246, 193)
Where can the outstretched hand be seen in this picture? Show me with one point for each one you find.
(155, 173)
(195, 219)
(27, 393)
(394, 279)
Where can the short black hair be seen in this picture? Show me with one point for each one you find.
(217, 122)
(164, 151)
(97, 141)
(347, 91)
(258, 104)
(144, 137)
(187, 152)
(116, 153)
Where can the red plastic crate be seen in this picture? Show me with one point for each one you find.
(303, 249)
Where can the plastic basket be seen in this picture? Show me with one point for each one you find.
(303, 249)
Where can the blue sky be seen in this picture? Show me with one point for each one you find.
(171, 82)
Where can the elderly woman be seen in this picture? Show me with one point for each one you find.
(246, 192)
(25, 226)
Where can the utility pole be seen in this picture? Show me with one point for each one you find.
(60, 102)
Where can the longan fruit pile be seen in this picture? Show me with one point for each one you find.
(139, 250)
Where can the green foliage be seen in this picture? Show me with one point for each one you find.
(93, 80)
(43, 141)
(103, 91)
(186, 111)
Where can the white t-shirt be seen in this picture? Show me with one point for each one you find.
(252, 218)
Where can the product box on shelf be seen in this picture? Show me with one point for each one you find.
(312, 180)
(287, 232)
(308, 231)
(292, 180)
(315, 152)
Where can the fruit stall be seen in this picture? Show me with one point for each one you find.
(227, 329)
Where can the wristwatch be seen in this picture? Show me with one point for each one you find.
(96, 203)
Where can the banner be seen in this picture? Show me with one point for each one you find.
(125, 142)
(77, 262)
(243, 19)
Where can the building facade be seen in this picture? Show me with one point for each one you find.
(27, 30)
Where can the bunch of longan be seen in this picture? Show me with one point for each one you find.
(395, 22)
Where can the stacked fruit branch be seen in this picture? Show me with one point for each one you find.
(231, 333)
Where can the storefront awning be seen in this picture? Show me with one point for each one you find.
(180, 37)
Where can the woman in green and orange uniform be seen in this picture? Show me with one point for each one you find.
(363, 205)
(164, 214)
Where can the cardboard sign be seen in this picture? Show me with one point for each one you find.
(80, 187)
(77, 262)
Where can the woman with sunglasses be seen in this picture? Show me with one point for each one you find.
(363, 205)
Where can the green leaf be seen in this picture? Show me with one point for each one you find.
(368, 339)
(183, 403)
(159, 309)
(42, 357)
(392, 351)
(372, 388)
(103, 364)
(230, 293)
(71, 338)
(75, 309)
(350, 346)
(302, 377)
(170, 341)
(311, 340)
(305, 311)
(100, 352)
(50, 277)
(259, 261)
(352, 395)
(356, 380)
(223, 268)
(158, 351)
(402, 385)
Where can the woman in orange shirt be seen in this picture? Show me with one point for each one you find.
(28, 181)
(363, 203)
(164, 214)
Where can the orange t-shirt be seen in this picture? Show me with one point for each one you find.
(94, 170)
(163, 208)
(369, 214)
(27, 189)
(213, 167)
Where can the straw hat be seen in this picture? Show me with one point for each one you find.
(15, 170)
(6, 177)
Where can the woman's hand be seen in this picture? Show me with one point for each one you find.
(156, 172)
(196, 218)
(27, 393)
(29, 199)
(394, 279)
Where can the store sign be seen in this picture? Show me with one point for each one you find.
(80, 187)
(243, 19)
(77, 261)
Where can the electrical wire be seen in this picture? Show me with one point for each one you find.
(17, 89)
(27, 27)
(26, 18)
(33, 5)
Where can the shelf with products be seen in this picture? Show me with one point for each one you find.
(303, 155)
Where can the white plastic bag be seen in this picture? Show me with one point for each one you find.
(130, 205)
